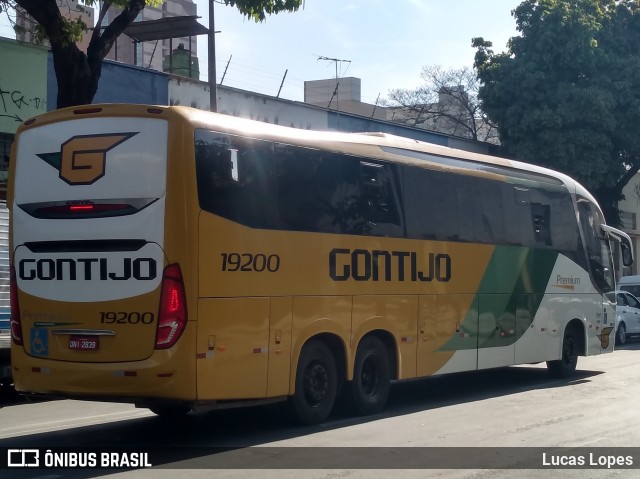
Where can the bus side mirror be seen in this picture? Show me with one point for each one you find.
(627, 254)
(625, 243)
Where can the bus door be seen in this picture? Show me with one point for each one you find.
(496, 330)
(503, 294)
(447, 333)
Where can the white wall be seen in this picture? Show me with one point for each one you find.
(231, 101)
(631, 204)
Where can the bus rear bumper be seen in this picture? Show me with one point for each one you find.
(155, 377)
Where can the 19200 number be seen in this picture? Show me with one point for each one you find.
(250, 262)
(125, 317)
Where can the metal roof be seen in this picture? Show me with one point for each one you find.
(165, 28)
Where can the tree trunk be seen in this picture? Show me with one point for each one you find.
(78, 73)
(77, 80)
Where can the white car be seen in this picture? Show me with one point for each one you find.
(627, 315)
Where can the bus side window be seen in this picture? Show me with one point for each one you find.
(521, 195)
(431, 204)
(494, 210)
(541, 222)
(235, 178)
(379, 199)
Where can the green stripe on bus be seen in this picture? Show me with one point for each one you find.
(508, 298)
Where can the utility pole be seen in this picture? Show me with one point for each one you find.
(225, 69)
(282, 83)
(213, 87)
(375, 106)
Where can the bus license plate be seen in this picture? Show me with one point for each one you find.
(83, 343)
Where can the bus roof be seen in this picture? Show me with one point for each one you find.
(378, 145)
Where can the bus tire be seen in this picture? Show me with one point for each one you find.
(316, 383)
(566, 367)
(621, 335)
(371, 383)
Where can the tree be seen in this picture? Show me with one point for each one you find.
(78, 73)
(447, 102)
(566, 94)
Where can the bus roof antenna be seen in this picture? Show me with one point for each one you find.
(335, 93)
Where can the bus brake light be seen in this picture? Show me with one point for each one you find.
(16, 323)
(81, 207)
(83, 210)
(172, 316)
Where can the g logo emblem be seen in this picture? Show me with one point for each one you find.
(82, 159)
(604, 337)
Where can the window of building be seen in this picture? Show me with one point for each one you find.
(139, 54)
(628, 220)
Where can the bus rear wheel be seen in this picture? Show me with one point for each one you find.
(371, 383)
(566, 366)
(316, 383)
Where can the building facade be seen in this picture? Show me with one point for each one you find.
(71, 9)
(145, 54)
(151, 54)
(629, 208)
(341, 94)
(23, 93)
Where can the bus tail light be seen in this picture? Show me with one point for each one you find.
(172, 316)
(80, 210)
(16, 323)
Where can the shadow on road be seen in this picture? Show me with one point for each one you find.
(198, 437)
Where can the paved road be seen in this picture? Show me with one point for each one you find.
(499, 410)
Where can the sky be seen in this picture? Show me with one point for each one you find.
(385, 43)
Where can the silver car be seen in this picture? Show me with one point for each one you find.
(627, 314)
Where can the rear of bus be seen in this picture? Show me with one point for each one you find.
(98, 303)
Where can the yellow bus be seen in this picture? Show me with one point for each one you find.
(179, 259)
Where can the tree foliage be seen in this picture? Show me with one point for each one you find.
(447, 102)
(566, 94)
(259, 9)
(77, 72)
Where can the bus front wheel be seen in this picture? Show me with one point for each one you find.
(621, 335)
(316, 383)
(566, 366)
(369, 389)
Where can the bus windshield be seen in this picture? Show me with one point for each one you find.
(598, 248)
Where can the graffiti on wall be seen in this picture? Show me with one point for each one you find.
(23, 83)
(18, 105)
